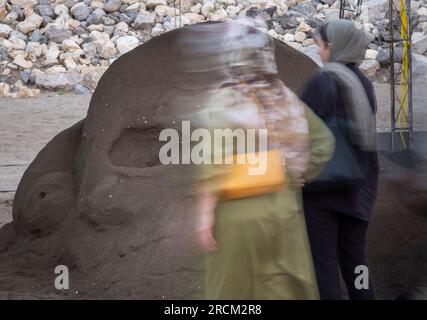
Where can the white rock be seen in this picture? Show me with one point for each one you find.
(218, 15)
(174, 22)
(126, 43)
(35, 48)
(70, 64)
(55, 81)
(132, 8)
(144, 21)
(300, 36)
(108, 50)
(273, 33)
(162, 10)
(196, 8)
(308, 42)
(304, 27)
(25, 92)
(153, 3)
(157, 30)
(122, 26)
(55, 69)
(233, 11)
(5, 72)
(91, 75)
(24, 3)
(288, 37)
(31, 23)
(52, 54)
(6, 45)
(18, 44)
(371, 54)
(21, 62)
(194, 17)
(207, 8)
(61, 10)
(11, 17)
(5, 30)
(376, 9)
(4, 90)
(295, 45)
(69, 45)
(313, 52)
(99, 39)
(95, 27)
(422, 11)
(419, 43)
(369, 67)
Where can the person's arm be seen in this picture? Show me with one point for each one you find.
(322, 145)
(206, 219)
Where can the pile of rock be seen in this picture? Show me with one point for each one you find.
(68, 44)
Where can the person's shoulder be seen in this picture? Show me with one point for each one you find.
(319, 81)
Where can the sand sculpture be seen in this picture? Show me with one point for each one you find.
(97, 199)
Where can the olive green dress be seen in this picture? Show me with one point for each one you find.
(263, 249)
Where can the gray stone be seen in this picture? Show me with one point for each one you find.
(126, 19)
(25, 76)
(369, 68)
(17, 9)
(37, 36)
(80, 11)
(132, 16)
(58, 34)
(81, 89)
(95, 17)
(306, 9)
(70, 3)
(144, 21)
(46, 20)
(89, 49)
(109, 20)
(419, 68)
(377, 9)
(419, 43)
(19, 35)
(79, 31)
(109, 30)
(112, 5)
(383, 56)
(45, 10)
(5, 30)
(58, 81)
(288, 20)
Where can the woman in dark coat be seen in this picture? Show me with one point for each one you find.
(338, 218)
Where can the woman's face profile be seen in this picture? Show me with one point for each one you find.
(324, 48)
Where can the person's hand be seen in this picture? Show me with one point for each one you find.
(206, 239)
(206, 222)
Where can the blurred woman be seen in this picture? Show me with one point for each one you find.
(338, 213)
(257, 245)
